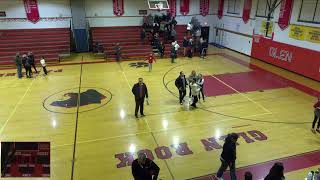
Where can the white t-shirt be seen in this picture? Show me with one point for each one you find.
(43, 62)
(176, 46)
(189, 26)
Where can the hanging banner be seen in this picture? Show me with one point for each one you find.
(204, 7)
(32, 11)
(285, 14)
(118, 7)
(184, 7)
(220, 9)
(172, 8)
(246, 11)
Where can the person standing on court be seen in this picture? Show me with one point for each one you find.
(316, 117)
(28, 67)
(173, 53)
(144, 168)
(200, 82)
(191, 77)
(185, 44)
(151, 59)
(118, 52)
(194, 92)
(18, 62)
(140, 92)
(24, 61)
(44, 66)
(181, 83)
(228, 156)
(32, 61)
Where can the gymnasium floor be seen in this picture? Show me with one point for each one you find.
(269, 107)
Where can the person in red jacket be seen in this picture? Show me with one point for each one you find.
(150, 60)
(316, 116)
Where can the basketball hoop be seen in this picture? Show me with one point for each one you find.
(159, 6)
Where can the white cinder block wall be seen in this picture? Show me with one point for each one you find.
(54, 14)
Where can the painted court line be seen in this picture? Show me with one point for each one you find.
(16, 106)
(265, 109)
(159, 131)
(260, 170)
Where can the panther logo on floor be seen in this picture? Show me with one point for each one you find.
(139, 64)
(71, 101)
(90, 96)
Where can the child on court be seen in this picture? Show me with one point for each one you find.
(150, 60)
(44, 66)
(316, 117)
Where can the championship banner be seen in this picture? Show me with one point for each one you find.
(285, 14)
(118, 7)
(220, 9)
(184, 7)
(246, 11)
(172, 8)
(32, 11)
(204, 7)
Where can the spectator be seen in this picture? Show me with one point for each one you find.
(144, 169)
(173, 53)
(32, 61)
(161, 49)
(195, 89)
(276, 172)
(140, 92)
(248, 176)
(228, 157)
(189, 27)
(173, 34)
(28, 67)
(44, 66)
(190, 48)
(185, 43)
(118, 52)
(316, 116)
(142, 35)
(18, 62)
(24, 61)
(151, 59)
(203, 47)
(200, 82)
(173, 23)
(191, 77)
(181, 83)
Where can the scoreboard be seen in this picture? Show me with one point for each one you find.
(28, 159)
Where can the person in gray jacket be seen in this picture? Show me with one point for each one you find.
(18, 62)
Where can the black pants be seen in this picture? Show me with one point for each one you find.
(139, 105)
(45, 70)
(223, 168)
(34, 67)
(182, 94)
(201, 93)
(28, 71)
(316, 118)
(195, 100)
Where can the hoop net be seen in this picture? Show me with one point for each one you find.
(159, 6)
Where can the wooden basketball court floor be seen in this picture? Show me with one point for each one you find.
(270, 108)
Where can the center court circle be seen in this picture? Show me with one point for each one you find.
(68, 100)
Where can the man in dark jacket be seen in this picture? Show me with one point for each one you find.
(144, 169)
(18, 62)
(139, 91)
(228, 156)
(28, 67)
(32, 61)
(181, 83)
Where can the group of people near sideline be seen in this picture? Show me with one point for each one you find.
(144, 168)
(196, 87)
(27, 62)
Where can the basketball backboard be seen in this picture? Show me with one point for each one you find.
(158, 4)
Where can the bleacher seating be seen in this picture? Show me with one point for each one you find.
(42, 42)
(129, 39)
